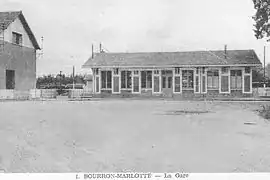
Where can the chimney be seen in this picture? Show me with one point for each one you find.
(92, 51)
(100, 48)
(225, 51)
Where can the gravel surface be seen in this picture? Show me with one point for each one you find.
(135, 135)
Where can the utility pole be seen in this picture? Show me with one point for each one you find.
(264, 67)
(73, 74)
(92, 51)
(100, 48)
(60, 79)
(42, 48)
(60, 83)
(225, 51)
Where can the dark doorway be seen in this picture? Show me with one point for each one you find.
(10, 79)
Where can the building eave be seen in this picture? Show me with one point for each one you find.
(173, 66)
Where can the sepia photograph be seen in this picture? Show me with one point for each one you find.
(173, 87)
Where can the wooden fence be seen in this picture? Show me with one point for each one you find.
(261, 92)
(79, 93)
(43, 93)
(6, 94)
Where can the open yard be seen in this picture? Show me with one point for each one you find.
(135, 135)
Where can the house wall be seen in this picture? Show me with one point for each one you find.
(17, 26)
(201, 92)
(20, 58)
(23, 61)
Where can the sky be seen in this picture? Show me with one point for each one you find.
(70, 27)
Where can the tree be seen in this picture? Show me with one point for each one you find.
(54, 81)
(262, 26)
(257, 75)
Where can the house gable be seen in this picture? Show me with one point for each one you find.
(15, 22)
(17, 27)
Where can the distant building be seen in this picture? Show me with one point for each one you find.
(174, 74)
(18, 47)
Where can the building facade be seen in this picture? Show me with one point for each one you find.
(174, 74)
(18, 48)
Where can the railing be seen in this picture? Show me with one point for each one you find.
(6, 94)
(80, 93)
(43, 93)
(261, 92)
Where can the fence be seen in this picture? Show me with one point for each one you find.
(79, 93)
(6, 94)
(48, 93)
(43, 93)
(13, 94)
(261, 92)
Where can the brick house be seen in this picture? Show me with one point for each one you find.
(174, 74)
(18, 47)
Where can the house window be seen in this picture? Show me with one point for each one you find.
(224, 70)
(116, 71)
(16, 38)
(197, 71)
(136, 72)
(96, 71)
(106, 79)
(212, 79)
(187, 79)
(203, 70)
(126, 79)
(146, 79)
(247, 70)
(177, 70)
(156, 72)
(236, 79)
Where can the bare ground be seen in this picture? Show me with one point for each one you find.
(135, 135)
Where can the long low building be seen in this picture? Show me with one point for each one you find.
(174, 74)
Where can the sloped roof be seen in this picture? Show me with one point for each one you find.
(172, 59)
(6, 18)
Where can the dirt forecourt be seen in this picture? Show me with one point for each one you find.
(133, 135)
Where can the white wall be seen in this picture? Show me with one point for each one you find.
(17, 26)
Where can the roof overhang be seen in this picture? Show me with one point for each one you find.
(173, 66)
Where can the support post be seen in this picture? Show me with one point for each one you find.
(73, 74)
(92, 51)
(264, 84)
